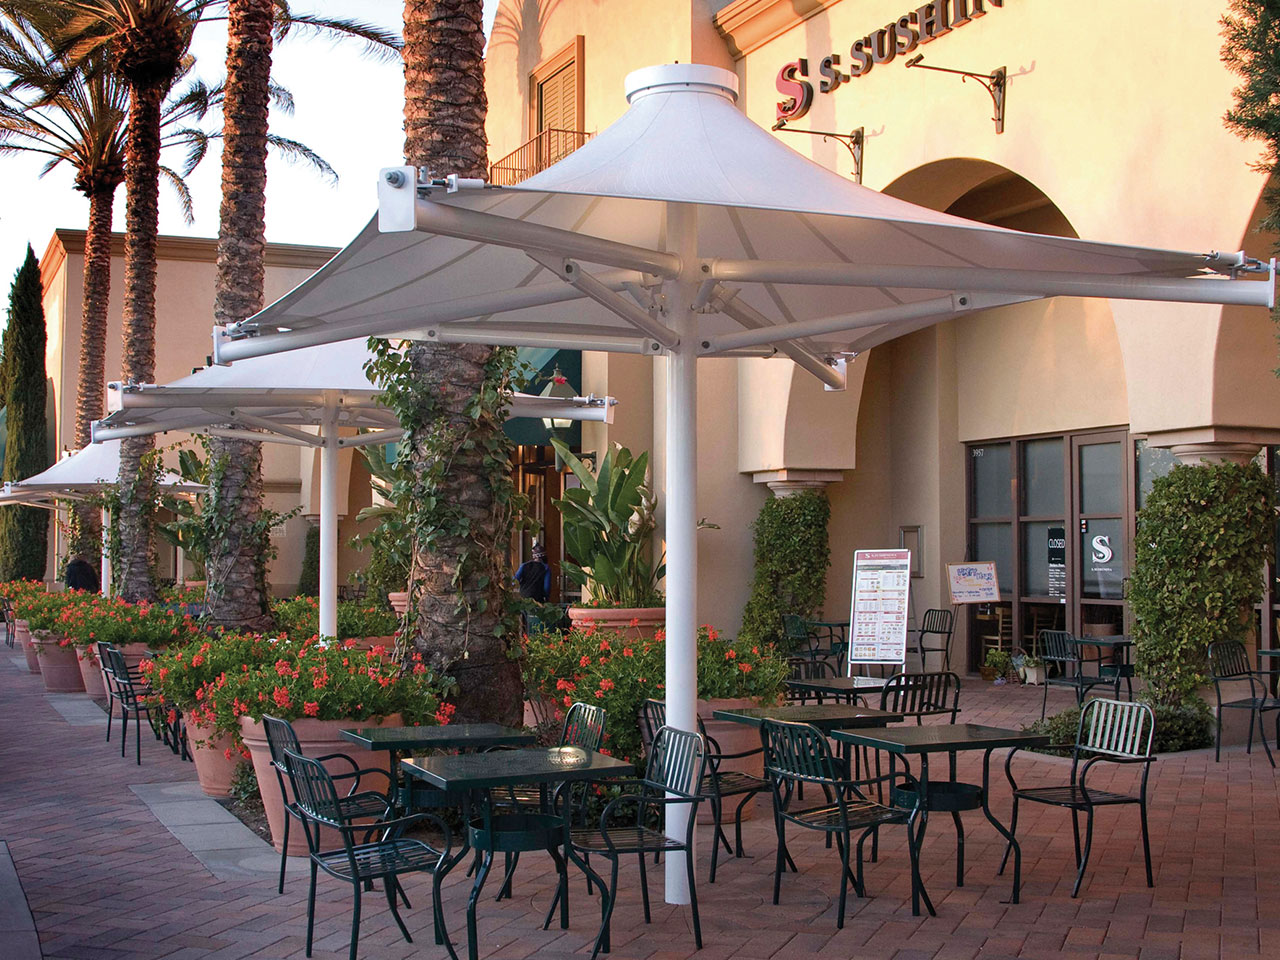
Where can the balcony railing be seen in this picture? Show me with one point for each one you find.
(534, 156)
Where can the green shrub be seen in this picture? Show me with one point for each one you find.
(309, 581)
(1178, 728)
(792, 554)
(1203, 537)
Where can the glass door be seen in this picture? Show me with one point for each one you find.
(1102, 518)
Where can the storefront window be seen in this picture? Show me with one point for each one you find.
(1044, 564)
(1152, 463)
(1101, 478)
(994, 541)
(1101, 550)
(991, 489)
(1042, 477)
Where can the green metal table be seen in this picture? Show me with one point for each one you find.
(825, 716)
(471, 776)
(842, 689)
(450, 736)
(949, 796)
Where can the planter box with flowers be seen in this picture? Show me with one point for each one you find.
(619, 672)
(321, 688)
(57, 655)
(360, 620)
(16, 592)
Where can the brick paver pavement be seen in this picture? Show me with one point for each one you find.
(105, 881)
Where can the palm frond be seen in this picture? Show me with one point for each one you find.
(296, 152)
(170, 176)
(379, 43)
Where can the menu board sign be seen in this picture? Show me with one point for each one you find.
(878, 627)
(973, 582)
(1056, 555)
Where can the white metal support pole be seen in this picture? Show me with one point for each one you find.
(106, 553)
(329, 523)
(681, 515)
(180, 575)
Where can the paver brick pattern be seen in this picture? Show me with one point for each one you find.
(105, 881)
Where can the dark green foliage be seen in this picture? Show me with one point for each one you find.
(1203, 537)
(1187, 727)
(791, 559)
(309, 582)
(1251, 50)
(24, 530)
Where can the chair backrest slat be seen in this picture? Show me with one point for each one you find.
(583, 727)
(922, 694)
(280, 738)
(314, 791)
(1058, 646)
(796, 753)
(1116, 728)
(677, 759)
(1229, 660)
(937, 621)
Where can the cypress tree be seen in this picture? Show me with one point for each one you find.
(24, 531)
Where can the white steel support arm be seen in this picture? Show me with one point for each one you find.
(230, 344)
(232, 433)
(1045, 283)
(372, 439)
(500, 337)
(100, 431)
(805, 358)
(954, 304)
(263, 423)
(573, 274)
(451, 221)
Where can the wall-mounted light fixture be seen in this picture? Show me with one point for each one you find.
(853, 142)
(993, 83)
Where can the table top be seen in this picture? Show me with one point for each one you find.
(824, 716)
(940, 738)
(451, 736)
(839, 684)
(1113, 641)
(479, 771)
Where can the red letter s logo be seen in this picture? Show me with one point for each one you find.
(799, 93)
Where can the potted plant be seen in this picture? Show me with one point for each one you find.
(180, 675)
(608, 523)
(997, 666)
(321, 688)
(359, 620)
(1031, 669)
(59, 667)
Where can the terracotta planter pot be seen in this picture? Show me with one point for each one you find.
(638, 622)
(134, 654)
(59, 665)
(317, 738)
(91, 672)
(399, 600)
(22, 636)
(213, 768)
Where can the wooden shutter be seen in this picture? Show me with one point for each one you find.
(557, 100)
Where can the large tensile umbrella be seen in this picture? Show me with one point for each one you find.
(685, 230)
(275, 399)
(93, 469)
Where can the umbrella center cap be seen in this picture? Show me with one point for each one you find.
(681, 78)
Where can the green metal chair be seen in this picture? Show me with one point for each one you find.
(797, 754)
(360, 864)
(1110, 731)
(1229, 664)
(717, 784)
(356, 804)
(676, 765)
(1060, 648)
(797, 640)
(806, 668)
(936, 627)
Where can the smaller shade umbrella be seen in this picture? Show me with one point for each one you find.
(77, 475)
(309, 398)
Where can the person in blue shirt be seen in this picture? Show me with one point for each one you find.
(534, 576)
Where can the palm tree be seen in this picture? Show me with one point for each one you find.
(236, 572)
(459, 612)
(77, 117)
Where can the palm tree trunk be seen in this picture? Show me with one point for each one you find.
(237, 560)
(457, 616)
(87, 538)
(142, 226)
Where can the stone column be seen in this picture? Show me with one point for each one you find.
(1214, 452)
(783, 483)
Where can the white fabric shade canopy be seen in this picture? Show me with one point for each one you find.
(323, 388)
(685, 230)
(93, 469)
